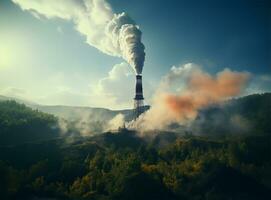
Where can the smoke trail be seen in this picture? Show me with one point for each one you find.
(116, 122)
(197, 90)
(113, 34)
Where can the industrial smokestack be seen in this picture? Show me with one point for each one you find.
(139, 90)
(139, 99)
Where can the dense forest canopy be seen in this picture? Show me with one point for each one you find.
(19, 123)
(245, 115)
(37, 161)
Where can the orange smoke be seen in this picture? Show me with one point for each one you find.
(203, 90)
(197, 89)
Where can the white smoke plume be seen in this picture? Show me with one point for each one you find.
(184, 91)
(85, 126)
(116, 122)
(63, 126)
(113, 34)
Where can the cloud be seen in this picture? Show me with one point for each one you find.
(115, 90)
(176, 79)
(117, 87)
(64, 96)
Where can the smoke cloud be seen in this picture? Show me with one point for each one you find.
(186, 90)
(86, 125)
(113, 34)
(116, 122)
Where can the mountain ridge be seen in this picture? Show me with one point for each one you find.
(75, 112)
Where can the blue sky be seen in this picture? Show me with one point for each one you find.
(48, 61)
(218, 33)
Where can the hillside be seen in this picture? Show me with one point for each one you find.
(240, 115)
(38, 161)
(124, 166)
(74, 113)
(19, 124)
(245, 115)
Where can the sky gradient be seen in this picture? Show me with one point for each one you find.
(47, 61)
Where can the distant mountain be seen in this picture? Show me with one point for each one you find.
(76, 112)
(73, 113)
(245, 115)
(18, 100)
(88, 113)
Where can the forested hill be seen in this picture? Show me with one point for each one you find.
(75, 113)
(123, 166)
(19, 124)
(37, 164)
(240, 115)
(246, 115)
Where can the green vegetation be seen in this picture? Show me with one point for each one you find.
(100, 168)
(246, 115)
(19, 123)
(120, 166)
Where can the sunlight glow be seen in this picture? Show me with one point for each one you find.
(14, 49)
(7, 56)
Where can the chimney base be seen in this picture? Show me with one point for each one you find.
(138, 107)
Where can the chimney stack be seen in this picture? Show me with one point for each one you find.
(139, 99)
